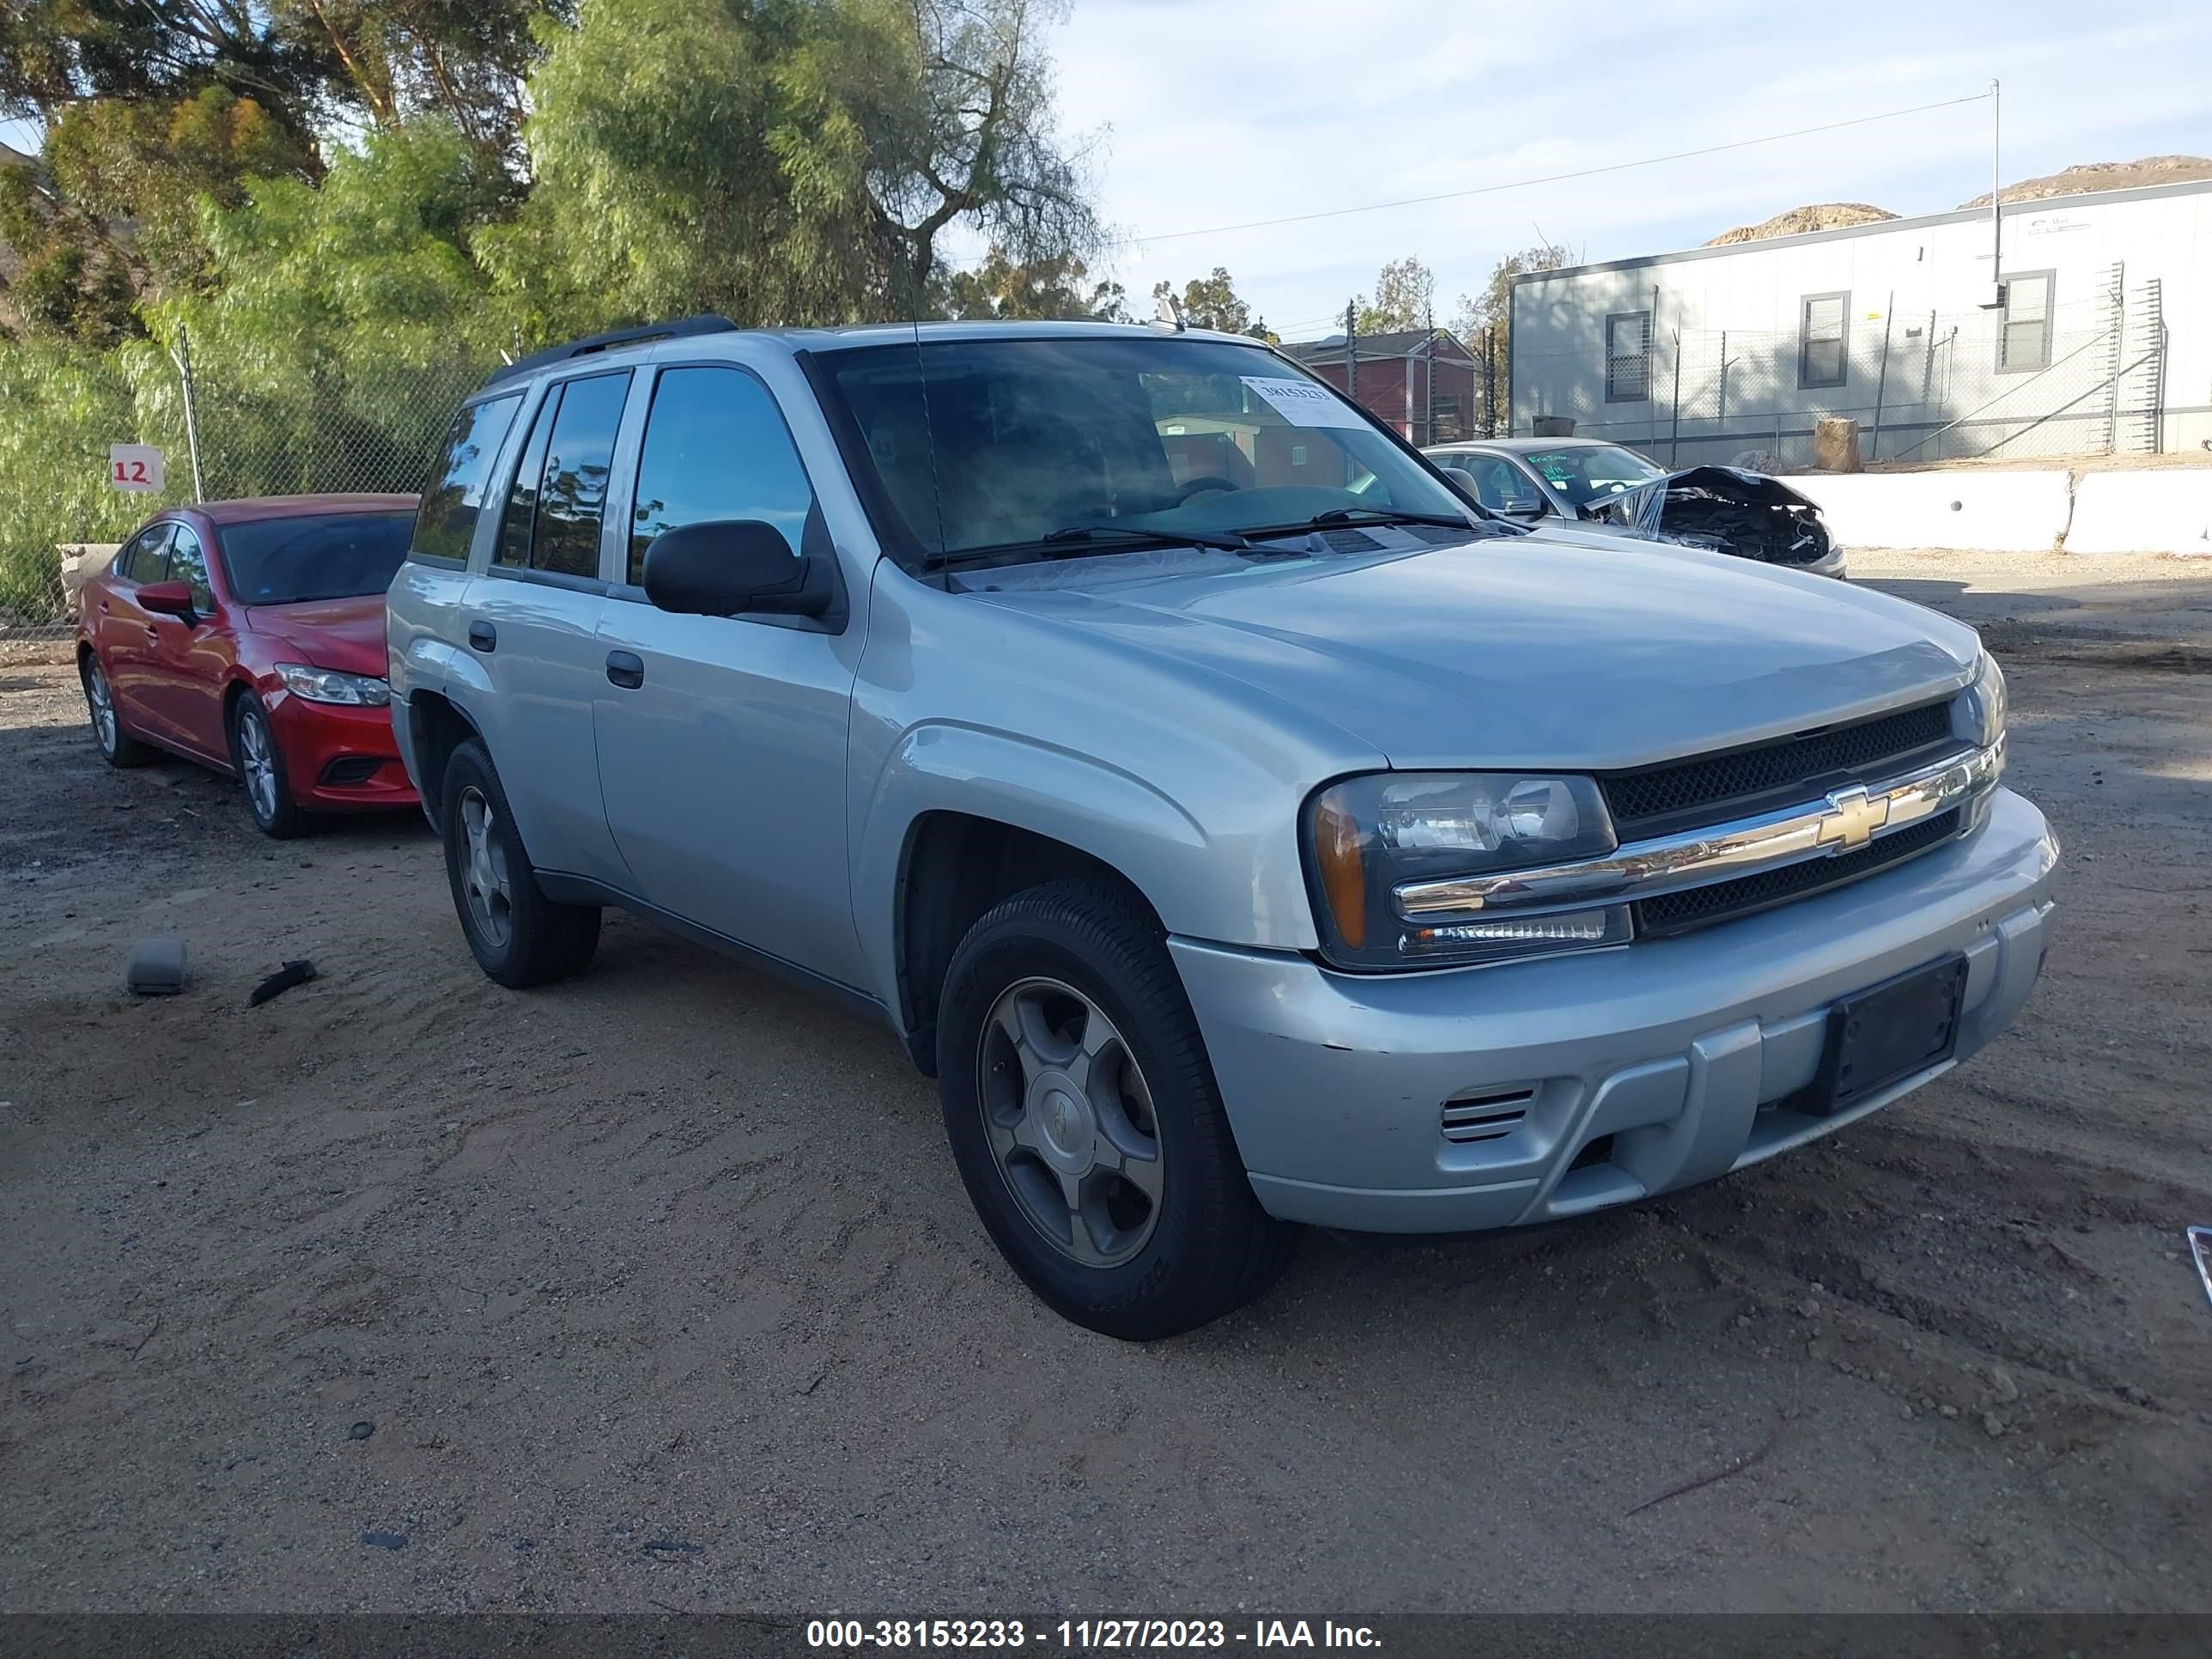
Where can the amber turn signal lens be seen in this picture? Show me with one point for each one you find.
(1343, 877)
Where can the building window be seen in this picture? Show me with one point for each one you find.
(1823, 340)
(1628, 357)
(2025, 342)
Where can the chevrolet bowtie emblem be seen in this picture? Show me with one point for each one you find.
(1852, 818)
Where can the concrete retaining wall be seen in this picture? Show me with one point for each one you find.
(2003, 512)
(2165, 511)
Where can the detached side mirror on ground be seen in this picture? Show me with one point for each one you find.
(734, 568)
(168, 599)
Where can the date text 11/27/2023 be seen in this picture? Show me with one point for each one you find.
(1086, 1634)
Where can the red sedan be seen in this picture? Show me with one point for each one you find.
(249, 636)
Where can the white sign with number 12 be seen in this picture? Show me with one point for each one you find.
(136, 467)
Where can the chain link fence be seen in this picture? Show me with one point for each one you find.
(289, 427)
(2073, 379)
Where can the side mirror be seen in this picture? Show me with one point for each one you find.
(734, 568)
(1525, 509)
(1461, 480)
(168, 599)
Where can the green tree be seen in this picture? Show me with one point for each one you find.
(463, 60)
(783, 161)
(56, 55)
(1405, 292)
(1056, 287)
(341, 324)
(61, 405)
(1489, 314)
(309, 64)
(960, 117)
(1212, 301)
(146, 106)
(71, 279)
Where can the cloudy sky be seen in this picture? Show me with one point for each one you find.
(1222, 112)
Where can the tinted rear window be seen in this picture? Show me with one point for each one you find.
(450, 506)
(327, 556)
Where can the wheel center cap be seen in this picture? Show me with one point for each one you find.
(1066, 1131)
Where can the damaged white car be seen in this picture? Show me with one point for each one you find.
(1607, 487)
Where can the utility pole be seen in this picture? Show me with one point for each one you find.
(1997, 192)
(1429, 414)
(1490, 382)
(1352, 350)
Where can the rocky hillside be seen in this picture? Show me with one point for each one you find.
(2104, 175)
(1823, 215)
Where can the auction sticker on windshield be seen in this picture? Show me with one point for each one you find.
(1303, 404)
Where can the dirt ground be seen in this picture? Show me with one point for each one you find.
(658, 1290)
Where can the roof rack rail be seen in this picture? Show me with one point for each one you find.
(708, 323)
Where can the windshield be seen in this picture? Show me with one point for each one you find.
(1587, 471)
(330, 555)
(994, 446)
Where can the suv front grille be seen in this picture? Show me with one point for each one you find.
(1685, 794)
(1700, 907)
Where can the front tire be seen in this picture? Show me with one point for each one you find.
(1086, 1121)
(261, 772)
(520, 938)
(117, 746)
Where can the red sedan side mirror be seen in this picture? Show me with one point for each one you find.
(168, 599)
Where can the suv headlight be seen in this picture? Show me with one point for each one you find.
(1364, 837)
(328, 685)
(1982, 705)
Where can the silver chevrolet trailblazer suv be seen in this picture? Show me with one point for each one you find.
(1244, 828)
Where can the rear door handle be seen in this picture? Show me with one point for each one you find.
(483, 637)
(625, 669)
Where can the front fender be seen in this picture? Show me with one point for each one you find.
(1105, 810)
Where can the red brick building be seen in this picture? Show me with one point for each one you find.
(1398, 376)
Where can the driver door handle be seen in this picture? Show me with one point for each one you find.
(625, 669)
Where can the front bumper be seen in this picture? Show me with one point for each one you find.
(1672, 1056)
(338, 757)
(1830, 563)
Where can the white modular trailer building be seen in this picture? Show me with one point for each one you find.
(2092, 332)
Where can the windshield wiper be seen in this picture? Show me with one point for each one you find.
(1337, 515)
(1075, 540)
(1226, 541)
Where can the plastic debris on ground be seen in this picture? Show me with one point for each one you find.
(291, 974)
(156, 967)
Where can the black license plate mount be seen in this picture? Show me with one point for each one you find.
(1883, 1034)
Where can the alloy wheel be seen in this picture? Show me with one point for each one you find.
(103, 707)
(1070, 1121)
(257, 760)
(484, 875)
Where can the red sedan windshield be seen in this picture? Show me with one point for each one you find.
(328, 556)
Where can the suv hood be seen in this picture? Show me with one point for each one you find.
(1527, 651)
(346, 635)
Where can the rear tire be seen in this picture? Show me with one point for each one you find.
(261, 771)
(1085, 1117)
(117, 746)
(520, 938)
